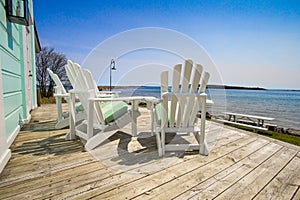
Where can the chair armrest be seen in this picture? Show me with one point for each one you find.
(133, 98)
(108, 99)
(107, 94)
(170, 94)
(153, 100)
(61, 95)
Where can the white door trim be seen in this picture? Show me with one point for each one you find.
(5, 152)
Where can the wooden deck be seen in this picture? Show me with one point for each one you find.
(241, 165)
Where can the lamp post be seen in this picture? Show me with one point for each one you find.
(111, 67)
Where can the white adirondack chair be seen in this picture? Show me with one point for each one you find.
(60, 93)
(178, 110)
(103, 114)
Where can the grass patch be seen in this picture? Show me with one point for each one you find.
(48, 100)
(292, 139)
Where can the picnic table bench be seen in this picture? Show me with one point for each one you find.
(250, 121)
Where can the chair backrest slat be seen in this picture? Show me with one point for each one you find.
(164, 88)
(71, 77)
(175, 88)
(69, 72)
(84, 88)
(164, 82)
(92, 89)
(191, 100)
(90, 80)
(57, 81)
(75, 76)
(185, 101)
(203, 84)
(196, 78)
(184, 89)
(80, 78)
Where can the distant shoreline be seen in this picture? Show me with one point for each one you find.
(227, 87)
(233, 87)
(208, 86)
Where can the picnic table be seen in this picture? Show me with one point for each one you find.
(250, 121)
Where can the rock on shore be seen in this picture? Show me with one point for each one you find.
(292, 131)
(289, 131)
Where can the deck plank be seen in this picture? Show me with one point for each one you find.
(285, 184)
(221, 181)
(126, 177)
(25, 186)
(41, 169)
(180, 184)
(139, 186)
(296, 196)
(240, 165)
(250, 185)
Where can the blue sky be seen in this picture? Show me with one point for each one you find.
(252, 43)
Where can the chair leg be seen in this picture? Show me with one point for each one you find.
(134, 108)
(59, 108)
(152, 120)
(203, 150)
(203, 147)
(72, 118)
(158, 142)
(163, 141)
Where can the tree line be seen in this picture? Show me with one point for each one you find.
(48, 58)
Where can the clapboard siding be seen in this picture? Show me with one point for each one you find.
(11, 78)
(12, 72)
(12, 102)
(12, 121)
(10, 62)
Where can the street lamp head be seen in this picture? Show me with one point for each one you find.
(111, 67)
(113, 64)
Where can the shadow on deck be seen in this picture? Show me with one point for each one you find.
(241, 165)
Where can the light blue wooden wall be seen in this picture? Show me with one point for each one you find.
(13, 91)
(12, 62)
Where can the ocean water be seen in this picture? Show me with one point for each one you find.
(283, 105)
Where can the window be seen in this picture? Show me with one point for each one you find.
(17, 11)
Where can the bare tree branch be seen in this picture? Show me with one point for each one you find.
(48, 58)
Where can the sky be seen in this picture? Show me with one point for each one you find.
(250, 43)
